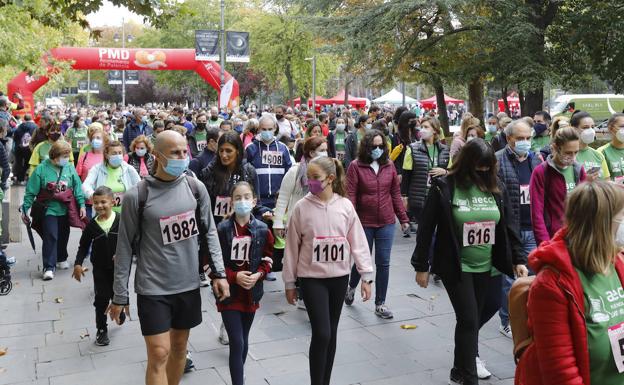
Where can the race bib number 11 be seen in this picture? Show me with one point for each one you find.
(240, 248)
(179, 227)
(329, 249)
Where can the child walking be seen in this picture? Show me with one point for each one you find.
(247, 247)
(324, 238)
(101, 233)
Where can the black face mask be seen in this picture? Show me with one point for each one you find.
(279, 117)
(212, 117)
(54, 136)
(201, 126)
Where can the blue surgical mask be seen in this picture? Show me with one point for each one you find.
(63, 162)
(376, 153)
(115, 160)
(141, 152)
(491, 128)
(176, 167)
(266, 136)
(96, 144)
(368, 126)
(243, 208)
(522, 147)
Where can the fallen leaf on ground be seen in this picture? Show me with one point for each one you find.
(408, 326)
(3, 351)
(58, 299)
(84, 335)
(2, 370)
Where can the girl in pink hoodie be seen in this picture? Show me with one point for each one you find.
(324, 238)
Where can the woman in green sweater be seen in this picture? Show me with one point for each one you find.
(53, 176)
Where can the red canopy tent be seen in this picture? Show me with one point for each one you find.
(432, 101)
(514, 104)
(319, 101)
(353, 101)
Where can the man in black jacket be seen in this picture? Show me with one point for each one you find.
(516, 164)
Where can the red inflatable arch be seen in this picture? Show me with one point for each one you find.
(128, 59)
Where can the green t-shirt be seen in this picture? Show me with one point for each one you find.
(604, 307)
(568, 174)
(114, 182)
(615, 162)
(538, 142)
(77, 137)
(107, 223)
(591, 158)
(490, 135)
(44, 150)
(471, 207)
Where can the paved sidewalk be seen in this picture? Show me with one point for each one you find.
(49, 330)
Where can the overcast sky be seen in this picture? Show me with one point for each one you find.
(110, 15)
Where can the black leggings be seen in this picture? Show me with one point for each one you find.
(468, 298)
(237, 324)
(323, 298)
(103, 287)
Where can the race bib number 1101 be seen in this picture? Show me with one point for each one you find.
(329, 249)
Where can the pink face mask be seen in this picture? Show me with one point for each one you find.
(315, 186)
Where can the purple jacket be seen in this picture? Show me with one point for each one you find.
(376, 197)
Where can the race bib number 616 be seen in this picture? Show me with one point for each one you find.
(179, 227)
(479, 233)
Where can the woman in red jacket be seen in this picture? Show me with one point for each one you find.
(576, 303)
(374, 189)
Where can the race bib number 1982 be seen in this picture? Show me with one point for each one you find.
(179, 227)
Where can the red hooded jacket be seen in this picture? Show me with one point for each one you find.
(559, 354)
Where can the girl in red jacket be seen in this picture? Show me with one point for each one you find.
(247, 247)
(576, 303)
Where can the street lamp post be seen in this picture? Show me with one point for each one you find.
(222, 32)
(123, 46)
(313, 60)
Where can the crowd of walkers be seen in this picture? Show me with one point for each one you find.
(233, 199)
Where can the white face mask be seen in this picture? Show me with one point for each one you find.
(619, 235)
(620, 135)
(320, 153)
(588, 136)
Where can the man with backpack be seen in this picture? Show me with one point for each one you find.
(168, 220)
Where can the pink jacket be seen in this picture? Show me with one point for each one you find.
(313, 219)
(86, 161)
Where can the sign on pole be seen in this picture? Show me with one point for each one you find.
(237, 47)
(132, 77)
(64, 91)
(82, 86)
(114, 77)
(206, 45)
(94, 88)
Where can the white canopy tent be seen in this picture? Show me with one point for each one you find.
(394, 97)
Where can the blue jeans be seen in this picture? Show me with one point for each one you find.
(55, 238)
(382, 237)
(528, 245)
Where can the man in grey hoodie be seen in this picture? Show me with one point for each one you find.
(166, 279)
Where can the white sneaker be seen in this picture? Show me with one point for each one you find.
(63, 265)
(203, 280)
(223, 337)
(48, 275)
(301, 304)
(482, 371)
(506, 331)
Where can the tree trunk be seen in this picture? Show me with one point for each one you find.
(505, 100)
(346, 90)
(475, 97)
(522, 100)
(291, 84)
(441, 104)
(534, 101)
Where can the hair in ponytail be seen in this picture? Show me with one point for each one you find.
(334, 167)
